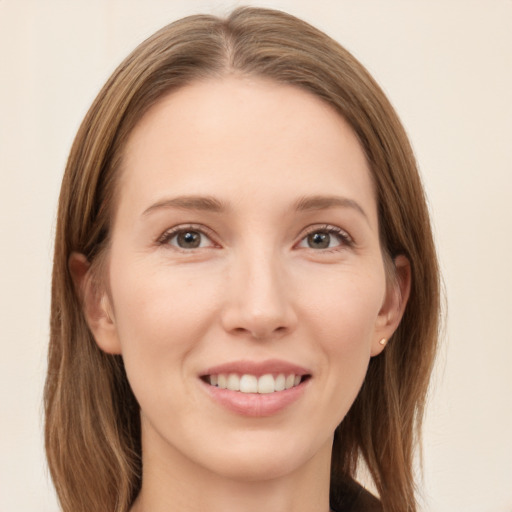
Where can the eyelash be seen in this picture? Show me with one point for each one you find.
(345, 239)
(171, 233)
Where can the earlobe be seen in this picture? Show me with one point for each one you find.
(397, 295)
(96, 304)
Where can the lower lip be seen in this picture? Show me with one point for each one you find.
(256, 404)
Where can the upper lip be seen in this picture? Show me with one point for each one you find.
(256, 368)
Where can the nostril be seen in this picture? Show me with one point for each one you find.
(260, 332)
(242, 318)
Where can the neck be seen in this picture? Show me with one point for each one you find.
(173, 482)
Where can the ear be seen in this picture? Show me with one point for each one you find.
(96, 304)
(397, 295)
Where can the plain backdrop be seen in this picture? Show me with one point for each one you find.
(447, 68)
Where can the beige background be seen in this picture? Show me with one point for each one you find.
(447, 67)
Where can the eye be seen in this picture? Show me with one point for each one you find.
(186, 238)
(327, 237)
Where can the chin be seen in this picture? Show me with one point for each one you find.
(264, 459)
(256, 468)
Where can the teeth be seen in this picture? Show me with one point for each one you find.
(280, 382)
(222, 381)
(246, 383)
(266, 384)
(234, 382)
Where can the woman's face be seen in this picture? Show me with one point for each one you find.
(245, 252)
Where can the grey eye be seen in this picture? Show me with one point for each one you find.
(326, 237)
(188, 239)
(319, 240)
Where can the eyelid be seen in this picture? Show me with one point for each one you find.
(170, 233)
(346, 238)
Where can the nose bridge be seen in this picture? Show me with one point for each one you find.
(259, 301)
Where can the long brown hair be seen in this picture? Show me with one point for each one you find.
(92, 418)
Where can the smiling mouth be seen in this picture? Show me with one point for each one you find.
(247, 383)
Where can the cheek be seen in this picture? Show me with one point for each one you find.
(345, 309)
(161, 315)
(157, 300)
(342, 320)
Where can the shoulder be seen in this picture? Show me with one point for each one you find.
(349, 496)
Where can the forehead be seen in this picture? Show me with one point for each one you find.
(243, 137)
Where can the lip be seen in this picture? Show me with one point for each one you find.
(257, 368)
(256, 404)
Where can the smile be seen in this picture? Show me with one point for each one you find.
(248, 383)
(256, 388)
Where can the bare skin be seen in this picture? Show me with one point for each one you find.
(246, 233)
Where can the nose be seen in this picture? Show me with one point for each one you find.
(259, 295)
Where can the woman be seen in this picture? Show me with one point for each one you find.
(245, 288)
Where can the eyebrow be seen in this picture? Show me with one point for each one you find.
(201, 203)
(324, 202)
(211, 204)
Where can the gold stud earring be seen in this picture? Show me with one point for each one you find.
(383, 341)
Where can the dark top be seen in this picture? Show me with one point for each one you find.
(351, 497)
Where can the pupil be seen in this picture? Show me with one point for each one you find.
(189, 239)
(319, 240)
